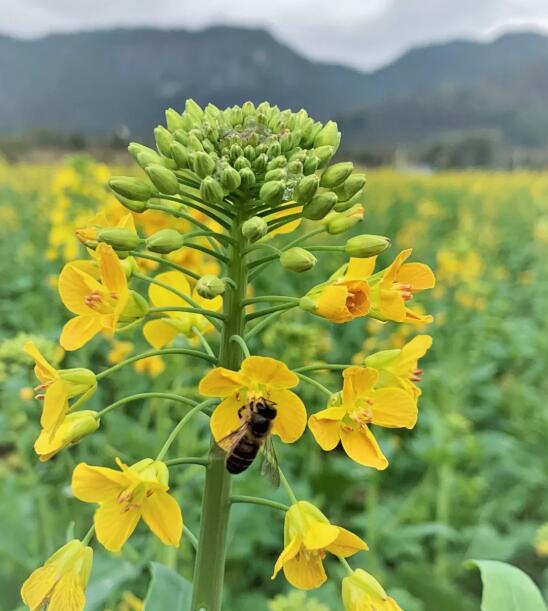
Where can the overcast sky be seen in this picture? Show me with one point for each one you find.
(363, 33)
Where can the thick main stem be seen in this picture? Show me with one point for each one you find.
(210, 559)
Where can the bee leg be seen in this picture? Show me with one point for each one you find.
(240, 411)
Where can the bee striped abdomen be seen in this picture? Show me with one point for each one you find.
(242, 455)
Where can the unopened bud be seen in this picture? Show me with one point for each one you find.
(143, 155)
(119, 238)
(248, 177)
(310, 165)
(165, 241)
(336, 174)
(274, 150)
(179, 154)
(363, 246)
(249, 152)
(131, 204)
(295, 167)
(277, 162)
(309, 134)
(210, 286)
(163, 179)
(277, 174)
(131, 188)
(193, 110)
(241, 163)
(260, 163)
(306, 189)
(203, 164)
(211, 191)
(163, 140)
(87, 236)
(324, 154)
(341, 206)
(297, 259)
(320, 205)
(272, 193)
(328, 135)
(230, 179)
(136, 308)
(174, 120)
(353, 184)
(337, 222)
(254, 228)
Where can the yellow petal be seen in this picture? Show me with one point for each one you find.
(391, 272)
(44, 371)
(159, 333)
(114, 524)
(257, 370)
(224, 419)
(319, 535)
(413, 351)
(392, 305)
(162, 297)
(360, 268)
(416, 318)
(358, 383)
(47, 445)
(163, 516)
(74, 286)
(394, 408)
(79, 330)
(97, 484)
(111, 271)
(289, 552)
(38, 586)
(305, 573)
(68, 594)
(361, 446)
(55, 405)
(220, 382)
(418, 275)
(331, 304)
(326, 430)
(290, 421)
(346, 544)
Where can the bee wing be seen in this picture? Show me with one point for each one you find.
(228, 443)
(269, 466)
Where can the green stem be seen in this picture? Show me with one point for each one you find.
(314, 383)
(288, 489)
(192, 539)
(325, 248)
(263, 260)
(207, 251)
(206, 313)
(178, 214)
(146, 395)
(270, 211)
(180, 268)
(190, 204)
(180, 425)
(210, 559)
(88, 535)
(238, 339)
(204, 342)
(265, 311)
(270, 299)
(344, 562)
(187, 460)
(238, 498)
(322, 366)
(220, 237)
(163, 352)
(260, 246)
(262, 325)
(277, 223)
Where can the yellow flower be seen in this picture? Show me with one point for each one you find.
(119, 352)
(308, 535)
(345, 296)
(362, 592)
(163, 331)
(153, 366)
(400, 367)
(57, 386)
(259, 376)
(97, 305)
(61, 581)
(103, 220)
(139, 491)
(69, 432)
(358, 406)
(394, 286)
(26, 393)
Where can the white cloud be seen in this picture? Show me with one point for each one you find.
(363, 33)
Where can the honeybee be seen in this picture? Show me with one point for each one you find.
(242, 445)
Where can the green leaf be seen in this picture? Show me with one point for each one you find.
(167, 590)
(507, 588)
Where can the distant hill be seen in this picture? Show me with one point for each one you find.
(98, 82)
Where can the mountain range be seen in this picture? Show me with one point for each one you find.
(97, 82)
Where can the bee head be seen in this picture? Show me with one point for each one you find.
(265, 408)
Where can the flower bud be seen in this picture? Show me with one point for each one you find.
(236, 151)
(254, 228)
(324, 154)
(277, 162)
(211, 191)
(72, 429)
(203, 164)
(131, 188)
(320, 205)
(165, 241)
(193, 110)
(131, 204)
(210, 286)
(341, 206)
(248, 177)
(119, 238)
(363, 246)
(230, 179)
(310, 165)
(297, 259)
(309, 134)
(277, 174)
(249, 152)
(136, 308)
(337, 222)
(179, 154)
(163, 179)
(328, 135)
(295, 167)
(274, 150)
(136, 150)
(174, 120)
(260, 163)
(306, 189)
(353, 184)
(336, 174)
(163, 140)
(241, 163)
(272, 193)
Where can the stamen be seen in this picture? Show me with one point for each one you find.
(415, 375)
